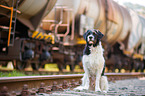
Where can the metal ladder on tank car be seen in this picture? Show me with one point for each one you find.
(12, 25)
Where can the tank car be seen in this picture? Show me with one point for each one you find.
(20, 39)
(123, 30)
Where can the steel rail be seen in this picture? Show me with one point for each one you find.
(53, 77)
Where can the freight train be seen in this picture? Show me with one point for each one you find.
(35, 33)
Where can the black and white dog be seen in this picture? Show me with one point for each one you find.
(93, 62)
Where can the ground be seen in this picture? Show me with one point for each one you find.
(129, 87)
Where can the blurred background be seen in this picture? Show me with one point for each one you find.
(48, 35)
(138, 6)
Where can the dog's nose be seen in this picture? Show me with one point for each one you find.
(90, 37)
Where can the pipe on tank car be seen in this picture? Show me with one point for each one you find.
(68, 22)
(67, 32)
(72, 31)
(67, 25)
(61, 17)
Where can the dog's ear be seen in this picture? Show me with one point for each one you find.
(100, 35)
(85, 34)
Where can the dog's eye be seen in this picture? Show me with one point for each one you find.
(94, 33)
(89, 33)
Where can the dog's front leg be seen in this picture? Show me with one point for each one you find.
(98, 76)
(85, 80)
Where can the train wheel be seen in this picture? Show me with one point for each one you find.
(60, 67)
(136, 69)
(131, 65)
(142, 67)
(20, 65)
(72, 67)
(42, 65)
(136, 65)
(35, 66)
(4, 64)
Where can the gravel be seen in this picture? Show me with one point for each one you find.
(129, 87)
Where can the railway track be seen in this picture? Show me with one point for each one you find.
(49, 83)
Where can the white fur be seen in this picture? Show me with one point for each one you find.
(104, 84)
(93, 65)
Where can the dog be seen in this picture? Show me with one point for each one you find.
(93, 63)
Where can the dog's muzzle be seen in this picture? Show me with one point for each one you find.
(90, 39)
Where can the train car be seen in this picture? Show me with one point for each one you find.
(123, 30)
(53, 32)
(20, 40)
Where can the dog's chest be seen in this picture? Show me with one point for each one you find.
(94, 60)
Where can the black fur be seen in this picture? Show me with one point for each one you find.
(86, 50)
(103, 71)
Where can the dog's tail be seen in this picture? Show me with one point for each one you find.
(104, 84)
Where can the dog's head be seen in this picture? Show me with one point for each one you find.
(93, 37)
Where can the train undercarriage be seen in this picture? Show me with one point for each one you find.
(34, 53)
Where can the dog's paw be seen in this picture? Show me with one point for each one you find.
(98, 90)
(79, 88)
